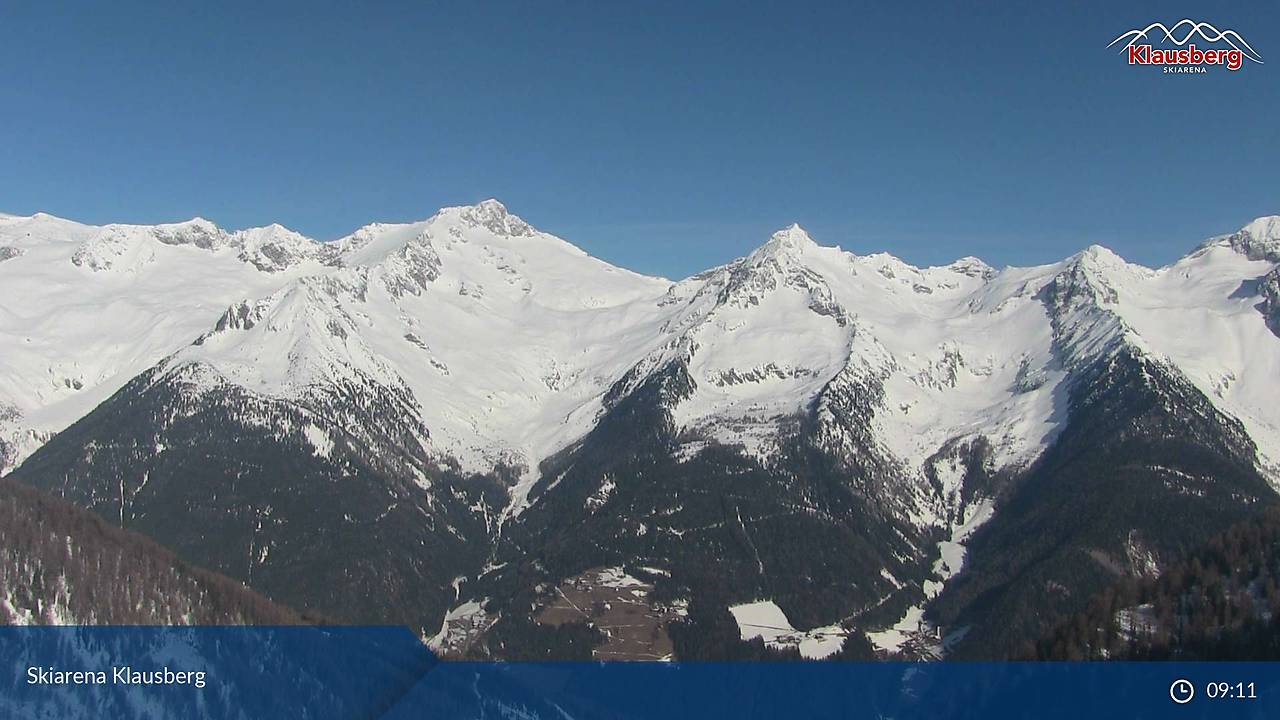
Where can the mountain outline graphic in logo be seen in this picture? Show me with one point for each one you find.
(1227, 47)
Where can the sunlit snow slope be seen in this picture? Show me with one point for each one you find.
(83, 309)
(509, 338)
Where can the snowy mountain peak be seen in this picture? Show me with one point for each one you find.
(493, 216)
(490, 205)
(786, 259)
(129, 247)
(195, 222)
(274, 248)
(1259, 240)
(40, 229)
(972, 267)
(197, 231)
(1089, 276)
(1099, 255)
(790, 240)
(10, 217)
(1266, 227)
(273, 234)
(784, 252)
(272, 230)
(1101, 266)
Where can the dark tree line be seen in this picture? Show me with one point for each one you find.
(61, 564)
(1144, 464)
(366, 531)
(1221, 603)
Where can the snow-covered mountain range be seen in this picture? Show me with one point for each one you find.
(498, 385)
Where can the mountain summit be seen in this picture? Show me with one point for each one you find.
(790, 240)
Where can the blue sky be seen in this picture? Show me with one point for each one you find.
(662, 136)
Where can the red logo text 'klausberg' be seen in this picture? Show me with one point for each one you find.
(1172, 47)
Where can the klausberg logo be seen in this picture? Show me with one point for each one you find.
(1223, 47)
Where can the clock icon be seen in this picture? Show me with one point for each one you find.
(1181, 691)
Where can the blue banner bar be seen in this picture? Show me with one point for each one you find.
(344, 672)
